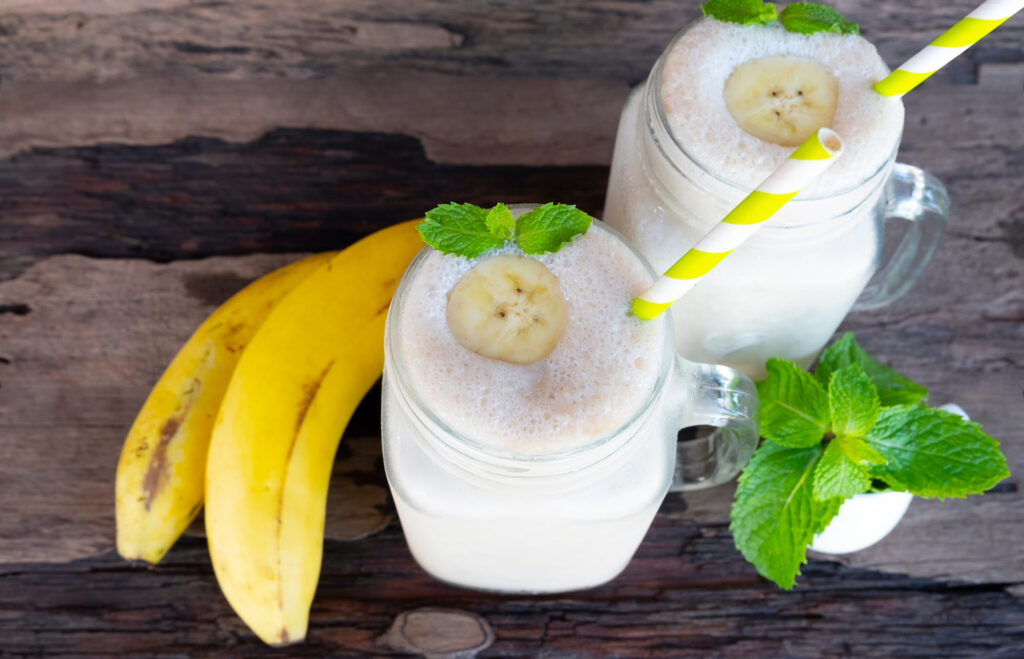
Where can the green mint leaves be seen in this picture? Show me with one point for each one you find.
(744, 12)
(459, 229)
(933, 453)
(550, 227)
(839, 475)
(469, 231)
(500, 222)
(794, 407)
(893, 388)
(853, 425)
(802, 17)
(810, 17)
(776, 514)
(853, 402)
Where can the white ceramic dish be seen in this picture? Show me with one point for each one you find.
(867, 518)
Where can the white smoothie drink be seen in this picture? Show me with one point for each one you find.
(682, 161)
(527, 477)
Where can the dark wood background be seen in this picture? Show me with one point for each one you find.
(156, 155)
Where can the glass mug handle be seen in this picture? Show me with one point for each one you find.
(707, 395)
(914, 195)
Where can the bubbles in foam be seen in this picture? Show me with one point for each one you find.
(601, 372)
(701, 61)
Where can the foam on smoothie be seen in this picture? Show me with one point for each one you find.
(602, 371)
(702, 59)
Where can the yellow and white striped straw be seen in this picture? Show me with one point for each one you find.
(967, 32)
(810, 159)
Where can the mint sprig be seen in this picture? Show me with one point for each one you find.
(811, 17)
(550, 227)
(744, 12)
(852, 401)
(776, 515)
(838, 475)
(801, 17)
(500, 222)
(794, 407)
(855, 426)
(933, 453)
(459, 229)
(893, 388)
(470, 231)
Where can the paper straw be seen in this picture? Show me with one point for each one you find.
(804, 165)
(967, 32)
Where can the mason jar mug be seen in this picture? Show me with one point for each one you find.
(556, 520)
(784, 292)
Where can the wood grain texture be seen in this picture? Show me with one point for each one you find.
(436, 633)
(459, 119)
(303, 189)
(684, 595)
(301, 39)
(512, 82)
(292, 190)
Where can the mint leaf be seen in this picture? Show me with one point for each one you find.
(794, 407)
(893, 388)
(933, 453)
(459, 229)
(810, 17)
(775, 515)
(500, 222)
(744, 12)
(853, 402)
(860, 451)
(550, 227)
(838, 476)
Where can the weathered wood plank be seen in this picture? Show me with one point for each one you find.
(686, 594)
(502, 83)
(293, 190)
(120, 39)
(300, 39)
(458, 118)
(297, 190)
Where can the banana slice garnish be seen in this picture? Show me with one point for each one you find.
(781, 99)
(509, 308)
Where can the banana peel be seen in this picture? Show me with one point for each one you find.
(160, 475)
(290, 397)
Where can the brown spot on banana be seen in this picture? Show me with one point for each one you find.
(309, 393)
(310, 390)
(156, 474)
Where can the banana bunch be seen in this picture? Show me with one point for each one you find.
(253, 406)
(159, 487)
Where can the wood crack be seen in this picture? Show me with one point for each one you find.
(15, 309)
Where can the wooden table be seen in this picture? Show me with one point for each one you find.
(158, 154)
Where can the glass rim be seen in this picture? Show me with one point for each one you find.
(521, 463)
(652, 92)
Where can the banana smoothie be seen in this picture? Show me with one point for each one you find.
(723, 107)
(521, 477)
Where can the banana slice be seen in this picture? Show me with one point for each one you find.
(509, 308)
(781, 99)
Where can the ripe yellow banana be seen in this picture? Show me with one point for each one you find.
(159, 487)
(273, 445)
